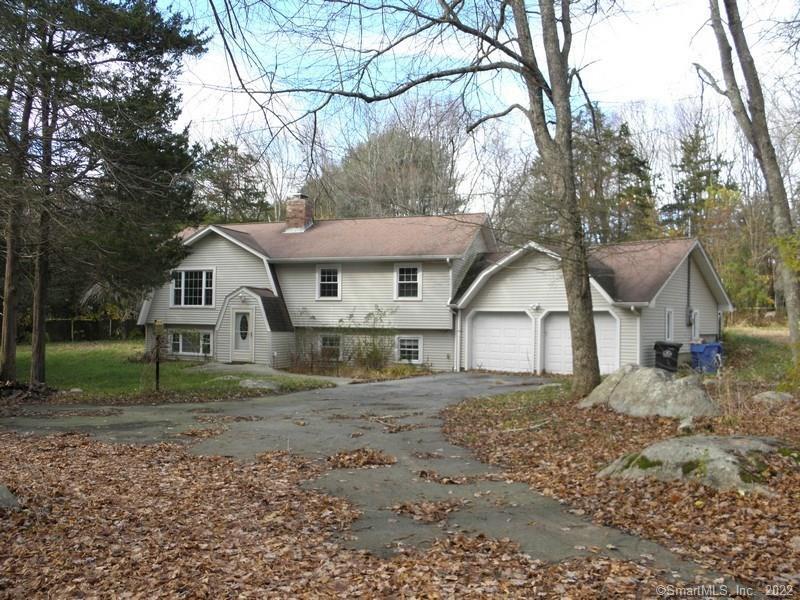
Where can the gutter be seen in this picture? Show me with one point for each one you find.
(338, 259)
(631, 305)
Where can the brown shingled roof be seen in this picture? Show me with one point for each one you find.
(355, 238)
(635, 271)
(275, 309)
(628, 272)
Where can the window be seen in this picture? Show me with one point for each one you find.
(193, 288)
(669, 327)
(330, 347)
(329, 282)
(696, 325)
(191, 342)
(409, 349)
(408, 282)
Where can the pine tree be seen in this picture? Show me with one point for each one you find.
(78, 78)
(698, 176)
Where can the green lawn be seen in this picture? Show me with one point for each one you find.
(756, 354)
(110, 368)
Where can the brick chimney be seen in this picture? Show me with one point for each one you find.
(299, 213)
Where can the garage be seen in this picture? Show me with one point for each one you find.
(502, 341)
(557, 342)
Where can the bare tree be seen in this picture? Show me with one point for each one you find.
(375, 51)
(750, 111)
(407, 164)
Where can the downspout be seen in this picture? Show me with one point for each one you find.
(689, 319)
(457, 349)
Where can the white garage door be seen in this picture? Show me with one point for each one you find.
(502, 342)
(558, 343)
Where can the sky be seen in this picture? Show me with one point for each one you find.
(644, 54)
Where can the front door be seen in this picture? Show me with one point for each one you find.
(242, 336)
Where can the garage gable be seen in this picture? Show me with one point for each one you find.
(509, 262)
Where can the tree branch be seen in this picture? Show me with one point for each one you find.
(497, 115)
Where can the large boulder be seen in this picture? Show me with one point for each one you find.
(773, 397)
(646, 392)
(722, 462)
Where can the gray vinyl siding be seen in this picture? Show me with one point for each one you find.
(283, 348)
(537, 279)
(234, 267)
(461, 265)
(437, 346)
(363, 287)
(673, 296)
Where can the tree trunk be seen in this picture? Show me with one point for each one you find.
(783, 229)
(557, 154)
(40, 283)
(8, 332)
(574, 266)
(752, 119)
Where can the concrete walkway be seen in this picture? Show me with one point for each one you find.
(320, 423)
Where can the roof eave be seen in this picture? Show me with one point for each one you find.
(637, 304)
(407, 257)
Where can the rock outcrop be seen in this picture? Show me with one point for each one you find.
(644, 392)
(773, 397)
(722, 462)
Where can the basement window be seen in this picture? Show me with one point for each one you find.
(330, 347)
(409, 349)
(191, 343)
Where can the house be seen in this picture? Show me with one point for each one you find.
(249, 292)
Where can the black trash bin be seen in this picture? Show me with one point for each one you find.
(667, 355)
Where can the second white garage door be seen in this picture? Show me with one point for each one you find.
(502, 341)
(558, 343)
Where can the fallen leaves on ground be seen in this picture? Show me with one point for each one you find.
(429, 511)
(212, 418)
(360, 458)
(431, 475)
(58, 414)
(118, 520)
(202, 433)
(102, 519)
(748, 536)
(427, 455)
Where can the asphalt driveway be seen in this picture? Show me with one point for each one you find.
(399, 417)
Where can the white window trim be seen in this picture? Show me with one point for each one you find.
(317, 282)
(397, 339)
(696, 325)
(201, 333)
(396, 284)
(183, 287)
(669, 325)
(332, 335)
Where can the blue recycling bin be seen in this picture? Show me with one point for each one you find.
(706, 358)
